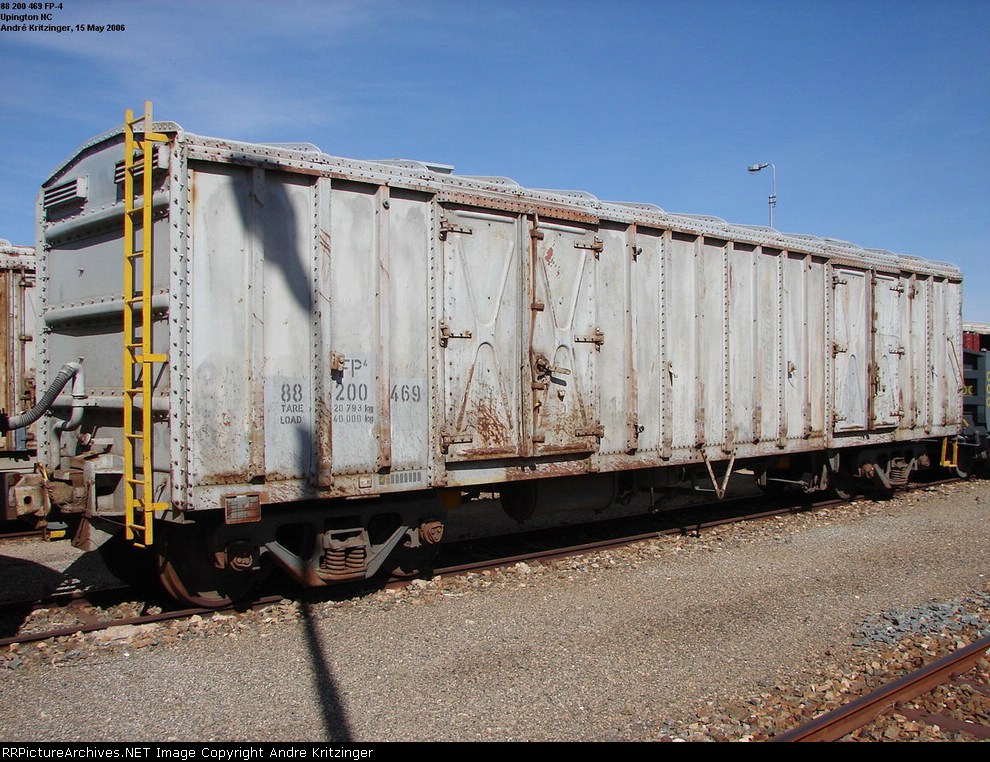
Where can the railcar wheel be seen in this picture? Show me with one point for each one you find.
(843, 486)
(127, 563)
(188, 572)
(843, 494)
(416, 563)
(964, 463)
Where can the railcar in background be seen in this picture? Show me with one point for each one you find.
(297, 359)
(18, 447)
(976, 385)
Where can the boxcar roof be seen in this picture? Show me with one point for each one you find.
(505, 193)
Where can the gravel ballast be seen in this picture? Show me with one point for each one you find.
(734, 634)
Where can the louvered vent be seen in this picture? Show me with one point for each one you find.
(63, 193)
(159, 160)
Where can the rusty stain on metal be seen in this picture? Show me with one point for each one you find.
(490, 422)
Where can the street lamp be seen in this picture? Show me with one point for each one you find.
(772, 200)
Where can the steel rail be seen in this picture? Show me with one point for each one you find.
(614, 542)
(857, 713)
(20, 534)
(164, 616)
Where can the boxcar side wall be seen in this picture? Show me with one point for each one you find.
(338, 329)
(466, 344)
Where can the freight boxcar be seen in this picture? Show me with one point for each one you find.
(17, 371)
(976, 336)
(975, 447)
(296, 358)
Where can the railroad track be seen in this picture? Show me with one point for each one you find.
(100, 609)
(97, 610)
(865, 719)
(92, 622)
(17, 530)
(916, 698)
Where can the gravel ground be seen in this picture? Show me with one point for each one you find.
(735, 634)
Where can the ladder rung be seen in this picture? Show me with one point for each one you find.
(148, 359)
(146, 135)
(142, 503)
(148, 507)
(134, 436)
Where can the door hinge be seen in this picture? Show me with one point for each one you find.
(594, 431)
(597, 338)
(446, 226)
(446, 334)
(598, 246)
(446, 440)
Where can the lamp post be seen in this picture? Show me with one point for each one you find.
(772, 200)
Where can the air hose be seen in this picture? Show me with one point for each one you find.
(69, 371)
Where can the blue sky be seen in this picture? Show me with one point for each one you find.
(876, 114)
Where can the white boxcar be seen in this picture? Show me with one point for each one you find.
(338, 329)
(17, 367)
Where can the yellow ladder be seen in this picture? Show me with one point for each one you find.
(139, 360)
